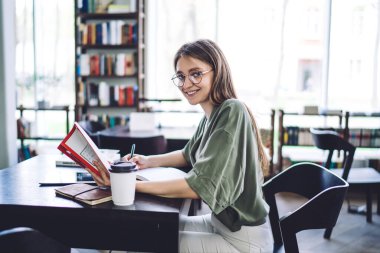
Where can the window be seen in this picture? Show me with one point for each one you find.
(45, 62)
(354, 56)
(45, 52)
(277, 49)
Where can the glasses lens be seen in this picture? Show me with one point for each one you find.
(177, 80)
(195, 77)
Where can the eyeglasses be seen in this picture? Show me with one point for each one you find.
(195, 77)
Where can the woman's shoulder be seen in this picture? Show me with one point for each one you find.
(234, 105)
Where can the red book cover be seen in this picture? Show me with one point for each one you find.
(130, 96)
(94, 65)
(122, 93)
(78, 146)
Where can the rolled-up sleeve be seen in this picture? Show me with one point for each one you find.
(218, 174)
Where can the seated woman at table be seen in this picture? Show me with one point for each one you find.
(226, 156)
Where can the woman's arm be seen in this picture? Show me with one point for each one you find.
(177, 188)
(172, 159)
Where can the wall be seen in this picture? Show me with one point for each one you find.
(8, 133)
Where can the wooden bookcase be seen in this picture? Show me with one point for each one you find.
(298, 134)
(363, 135)
(23, 136)
(109, 69)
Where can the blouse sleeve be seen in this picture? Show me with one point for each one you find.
(218, 174)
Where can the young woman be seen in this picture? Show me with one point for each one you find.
(226, 156)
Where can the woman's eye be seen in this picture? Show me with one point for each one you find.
(196, 74)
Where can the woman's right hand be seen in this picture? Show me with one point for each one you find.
(141, 161)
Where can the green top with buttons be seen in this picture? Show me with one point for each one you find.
(226, 171)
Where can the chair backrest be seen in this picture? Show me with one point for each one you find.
(150, 145)
(325, 193)
(332, 141)
(92, 128)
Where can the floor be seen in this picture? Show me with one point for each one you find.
(352, 234)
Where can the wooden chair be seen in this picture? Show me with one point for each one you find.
(28, 240)
(92, 128)
(149, 145)
(325, 193)
(369, 178)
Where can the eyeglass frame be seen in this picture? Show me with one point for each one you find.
(183, 82)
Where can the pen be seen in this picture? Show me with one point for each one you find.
(132, 150)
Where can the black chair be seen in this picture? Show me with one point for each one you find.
(149, 145)
(325, 193)
(92, 128)
(27, 240)
(369, 178)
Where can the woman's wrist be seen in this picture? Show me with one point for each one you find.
(153, 161)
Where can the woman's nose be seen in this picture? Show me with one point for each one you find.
(187, 83)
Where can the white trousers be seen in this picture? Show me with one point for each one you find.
(207, 234)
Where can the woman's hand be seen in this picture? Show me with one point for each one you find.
(141, 161)
(104, 178)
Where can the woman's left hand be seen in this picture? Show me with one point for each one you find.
(104, 178)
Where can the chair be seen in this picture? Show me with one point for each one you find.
(149, 145)
(27, 240)
(92, 128)
(325, 193)
(362, 177)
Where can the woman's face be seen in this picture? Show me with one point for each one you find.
(195, 93)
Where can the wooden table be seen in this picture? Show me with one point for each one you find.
(151, 224)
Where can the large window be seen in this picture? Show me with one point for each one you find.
(282, 53)
(45, 52)
(45, 60)
(354, 57)
(45, 64)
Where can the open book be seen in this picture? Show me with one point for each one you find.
(80, 148)
(159, 174)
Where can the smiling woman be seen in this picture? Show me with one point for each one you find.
(224, 153)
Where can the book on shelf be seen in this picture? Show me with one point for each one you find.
(115, 32)
(78, 146)
(118, 8)
(85, 193)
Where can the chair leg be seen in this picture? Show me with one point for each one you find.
(378, 200)
(369, 204)
(290, 243)
(327, 233)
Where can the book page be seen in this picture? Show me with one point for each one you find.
(159, 174)
(78, 143)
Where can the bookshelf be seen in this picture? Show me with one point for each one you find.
(24, 132)
(109, 51)
(293, 128)
(359, 128)
(362, 129)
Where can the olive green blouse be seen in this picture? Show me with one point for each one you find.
(226, 171)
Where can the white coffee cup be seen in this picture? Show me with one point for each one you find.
(123, 183)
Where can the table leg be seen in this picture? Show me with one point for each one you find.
(369, 204)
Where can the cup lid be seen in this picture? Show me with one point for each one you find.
(123, 167)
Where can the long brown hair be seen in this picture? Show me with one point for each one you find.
(222, 87)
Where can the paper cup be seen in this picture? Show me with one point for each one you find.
(123, 183)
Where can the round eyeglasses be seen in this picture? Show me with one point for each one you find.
(195, 77)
